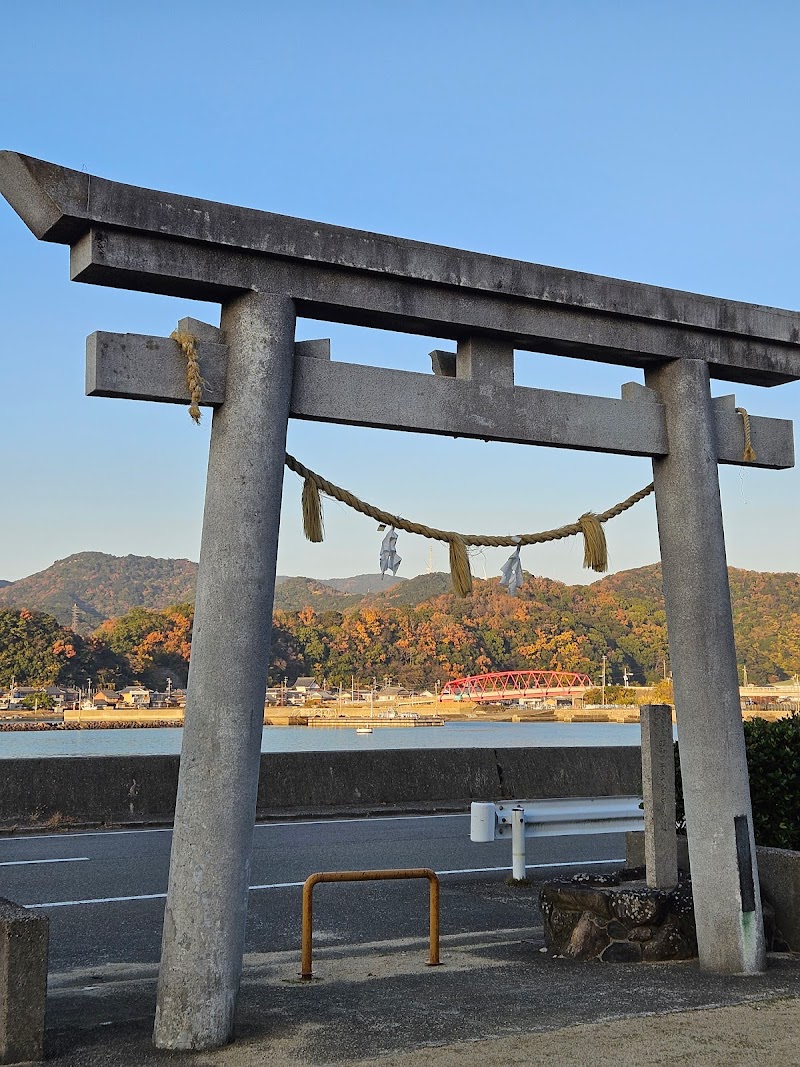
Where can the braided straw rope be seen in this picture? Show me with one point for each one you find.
(749, 452)
(587, 524)
(188, 344)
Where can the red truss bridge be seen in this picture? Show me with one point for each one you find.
(512, 685)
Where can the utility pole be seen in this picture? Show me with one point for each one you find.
(603, 689)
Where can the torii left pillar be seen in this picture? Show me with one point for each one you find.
(206, 909)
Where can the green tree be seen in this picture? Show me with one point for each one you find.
(35, 701)
(36, 650)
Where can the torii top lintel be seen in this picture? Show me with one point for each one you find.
(129, 237)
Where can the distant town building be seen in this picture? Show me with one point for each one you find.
(306, 685)
(135, 695)
(105, 698)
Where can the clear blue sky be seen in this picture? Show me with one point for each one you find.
(656, 142)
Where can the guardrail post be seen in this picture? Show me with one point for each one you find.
(518, 844)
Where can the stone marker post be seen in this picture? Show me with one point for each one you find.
(23, 982)
(206, 909)
(716, 788)
(658, 790)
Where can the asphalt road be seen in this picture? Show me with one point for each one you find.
(104, 892)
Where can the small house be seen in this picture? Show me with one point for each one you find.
(306, 685)
(135, 696)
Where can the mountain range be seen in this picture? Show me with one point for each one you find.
(105, 586)
(406, 625)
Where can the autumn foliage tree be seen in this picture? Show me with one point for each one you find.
(418, 636)
(154, 644)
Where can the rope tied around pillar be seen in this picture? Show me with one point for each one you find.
(194, 380)
(749, 454)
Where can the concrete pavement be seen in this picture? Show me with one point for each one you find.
(497, 999)
(104, 892)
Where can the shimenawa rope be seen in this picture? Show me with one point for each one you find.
(595, 553)
(749, 452)
(589, 524)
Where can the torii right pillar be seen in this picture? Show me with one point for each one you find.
(716, 788)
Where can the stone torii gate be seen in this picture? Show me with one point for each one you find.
(265, 269)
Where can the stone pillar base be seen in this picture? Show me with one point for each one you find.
(618, 919)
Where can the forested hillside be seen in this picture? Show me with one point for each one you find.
(417, 633)
(103, 586)
(547, 625)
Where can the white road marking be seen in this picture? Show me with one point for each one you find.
(258, 826)
(24, 863)
(533, 866)
(278, 885)
(95, 900)
(86, 833)
(296, 885)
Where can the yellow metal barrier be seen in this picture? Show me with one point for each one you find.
(368, 876)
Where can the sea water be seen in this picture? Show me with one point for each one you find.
(167, 740)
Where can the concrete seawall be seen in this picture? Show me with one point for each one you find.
(97, 790)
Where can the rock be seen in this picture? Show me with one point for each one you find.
(617, 919)
(622, 952)
(637, 907)
(632, 874)
(617, 930)
(571, 897)
(563, 922)
(587, 940)
(670, 942)
(595, 879)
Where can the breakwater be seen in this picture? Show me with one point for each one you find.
(92, 724)
(137, 790)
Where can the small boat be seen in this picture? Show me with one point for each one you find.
(363, 729)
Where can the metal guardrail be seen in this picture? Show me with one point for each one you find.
(520, 819)
(367, 876)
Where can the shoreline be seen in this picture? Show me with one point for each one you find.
(441, 716)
